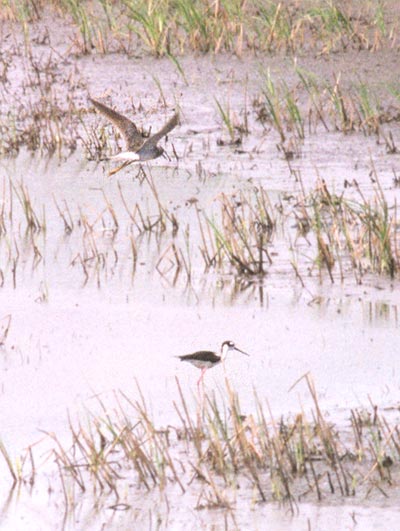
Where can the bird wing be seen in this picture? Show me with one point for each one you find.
(206, 355)
(153, 140)
(133, 138)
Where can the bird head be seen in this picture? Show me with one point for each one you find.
(227, 346)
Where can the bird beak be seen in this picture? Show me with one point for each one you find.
(241, 351)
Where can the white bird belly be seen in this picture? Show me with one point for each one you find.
(125, 155)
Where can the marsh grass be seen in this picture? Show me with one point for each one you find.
(356, 235)
(46, 118)
(276, 28)
(42, 120)
(97, 255)
(23, 229)
(333, 105)
(22, 468)
(345, 234)
(149, 21)
(97, 142)
(82, 20)
(100, 26)
(215, 447)
(234, 131)
(162, 27)
(33, 221)
(333, 26)
(242, 235)
(157, 222)
(65, 215)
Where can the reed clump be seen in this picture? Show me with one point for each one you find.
(350, 235)
(242, 234)
(216, 448)
(314, 105)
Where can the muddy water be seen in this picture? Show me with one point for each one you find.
(62, 353)
(154, 512)
(84, 341)
(72, 340)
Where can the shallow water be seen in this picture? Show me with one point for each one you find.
(71, 344)
(149, 511)
(73, 339)
(60, 354)
(123, 326)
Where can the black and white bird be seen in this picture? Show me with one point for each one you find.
(205, 359)
(139, 148)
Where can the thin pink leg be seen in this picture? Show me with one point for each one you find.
(201, 376)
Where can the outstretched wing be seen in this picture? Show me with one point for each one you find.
(133, 138)
(153, 140)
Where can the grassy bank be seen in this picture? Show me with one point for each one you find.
(174, 27)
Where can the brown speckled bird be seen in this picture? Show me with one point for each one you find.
(138, 147)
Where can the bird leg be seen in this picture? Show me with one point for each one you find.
(203, 371)
(116, 170)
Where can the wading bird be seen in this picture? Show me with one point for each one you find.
(204, 359)
(138, 147)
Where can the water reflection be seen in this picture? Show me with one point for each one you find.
(376, 312)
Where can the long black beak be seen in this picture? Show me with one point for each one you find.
(241, 351)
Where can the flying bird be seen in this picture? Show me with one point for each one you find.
(139, 148)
